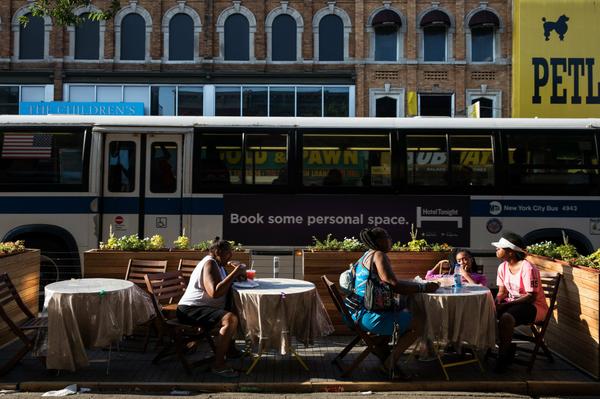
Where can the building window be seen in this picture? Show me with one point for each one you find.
(255, 101)
(336, 101)
(227, 101)
(181, 38)
(11, 96)
(237, 38)
(483, 26)
(133, 38)
(436, 105)
(386, 25)
(31, 43)
(435, 25)
(490, 102)
(157, 99)
(87, 39)
(331, 38)
(284, 38)
(309, 101)
(386, 102)
(282, 101)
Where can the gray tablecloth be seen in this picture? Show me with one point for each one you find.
(279, 309)
(466, 315)
(90, 313)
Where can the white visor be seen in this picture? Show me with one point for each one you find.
(504, 243)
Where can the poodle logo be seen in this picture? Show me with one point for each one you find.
(560, 27)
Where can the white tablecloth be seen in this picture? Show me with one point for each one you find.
(90, 313)
(458, 316)
(279, 309)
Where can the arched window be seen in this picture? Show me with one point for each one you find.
(386, 25)
(87, 39)
(31, 39)
(284, 38)
(181, 38)
(435, 25)
(133, 38)
(483, 26)
(237, 38)
(331, 38)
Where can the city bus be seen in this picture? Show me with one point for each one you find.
(274, 184)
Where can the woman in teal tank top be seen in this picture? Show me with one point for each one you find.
(379, 243)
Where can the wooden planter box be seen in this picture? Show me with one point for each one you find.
(113, 264)
(573, 331)
(406, 265)
(24, 271)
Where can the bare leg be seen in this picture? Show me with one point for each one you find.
(415, 330)
(229, 324)
(506, 326)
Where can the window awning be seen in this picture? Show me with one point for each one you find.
(386, 18)
(484, 18)
(435, 17)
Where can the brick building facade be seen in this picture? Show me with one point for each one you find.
(383, 69)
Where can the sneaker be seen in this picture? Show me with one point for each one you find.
(226, 372)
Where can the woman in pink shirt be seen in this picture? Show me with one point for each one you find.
(520, 298)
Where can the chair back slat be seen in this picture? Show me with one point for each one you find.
(338, 301)
(138, 268)
(166, 288)
(187, 266)
(551, 284)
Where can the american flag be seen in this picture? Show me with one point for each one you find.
(27, 145)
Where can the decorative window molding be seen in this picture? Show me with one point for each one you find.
(494, 95)
(387, 91)
(284, 9)
(237, 8)
(497, 36)
(182, 8)
(347, 22)
(132, 8)
(400, 36)
(16, 28)
(71, 33)
(449, 35)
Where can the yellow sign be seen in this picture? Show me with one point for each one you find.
(556, 59)
(473, 111)
(412, 103)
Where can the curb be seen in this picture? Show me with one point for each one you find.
(530, 388)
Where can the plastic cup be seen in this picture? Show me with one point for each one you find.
(250, 274)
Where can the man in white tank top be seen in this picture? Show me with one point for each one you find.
(203, 303)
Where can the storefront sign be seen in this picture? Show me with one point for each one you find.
(556, 58)
(80, 108)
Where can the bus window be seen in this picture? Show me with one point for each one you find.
(121, 171)
(266, 158)
(426, 160)
(41, 158)
(472, 160)
(346, 160)
(163, 168)
(552, 159)
(218, 159)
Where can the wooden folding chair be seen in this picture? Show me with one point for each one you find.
(187, 266)
(10, 304)
(167, 288)
(137, 268)
(550, 284)
(371, 340)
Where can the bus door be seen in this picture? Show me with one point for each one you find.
(142, 185)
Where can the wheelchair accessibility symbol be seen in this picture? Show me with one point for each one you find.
(161, 222)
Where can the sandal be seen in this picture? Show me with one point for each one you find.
(227, 372)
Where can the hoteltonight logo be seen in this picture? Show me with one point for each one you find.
(80, 108)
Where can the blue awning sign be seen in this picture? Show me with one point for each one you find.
(81, 108)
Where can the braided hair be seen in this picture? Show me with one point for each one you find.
(371, 237)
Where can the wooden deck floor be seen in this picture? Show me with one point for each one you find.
(131, 365)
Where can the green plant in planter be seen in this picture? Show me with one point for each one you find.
(419, 245)
(156, 242)
(205, 245)
(9, 247)
(333, 244)
(544, 248)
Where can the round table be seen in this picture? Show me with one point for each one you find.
(90, 313)
(458, 315)
(279, 309)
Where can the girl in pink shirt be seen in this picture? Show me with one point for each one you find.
(520, 298)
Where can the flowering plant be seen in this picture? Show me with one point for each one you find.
(9, 248)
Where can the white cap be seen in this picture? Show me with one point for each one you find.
(504, 243)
